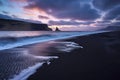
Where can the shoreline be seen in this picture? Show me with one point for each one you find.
(90, 62)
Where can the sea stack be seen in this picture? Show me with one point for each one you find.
(57, 29)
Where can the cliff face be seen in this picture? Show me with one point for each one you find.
(13, 25)
(40, 27)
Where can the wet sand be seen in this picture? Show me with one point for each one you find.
(99, 59)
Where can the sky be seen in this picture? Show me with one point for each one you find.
(67, 15)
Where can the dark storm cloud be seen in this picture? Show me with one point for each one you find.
(69, 23)
(116, 23)
(43, 17)
(72, 9)
(118, 18)
(14, 17)
(104, 22)
(82, 13)
(111, 7)
(106, 4)
(113, 14)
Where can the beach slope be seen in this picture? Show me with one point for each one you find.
(99, 59)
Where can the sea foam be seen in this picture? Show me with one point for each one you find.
(8, 44)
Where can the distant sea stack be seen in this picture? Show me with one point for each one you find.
(14, 25)
(57, 29)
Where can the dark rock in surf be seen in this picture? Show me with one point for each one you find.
(57, 29)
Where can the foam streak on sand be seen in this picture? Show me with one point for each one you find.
(66, 46)
(62, 46)
(24, 74)
(27, 72)
(19, 64)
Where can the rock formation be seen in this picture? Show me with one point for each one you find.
(57, 29)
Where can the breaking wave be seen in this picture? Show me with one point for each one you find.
(12, 42)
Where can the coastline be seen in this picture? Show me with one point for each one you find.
(98, 60)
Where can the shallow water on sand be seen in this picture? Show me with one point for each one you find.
(23, 61)
(13, 61)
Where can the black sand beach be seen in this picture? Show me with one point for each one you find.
(99, 59)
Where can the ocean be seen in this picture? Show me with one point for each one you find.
(22, 52)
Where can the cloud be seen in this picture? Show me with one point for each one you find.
(106, 4)
(69, 23)
(118, 18)
(75, 14)
(18, 0)
(1, 3)
(14, 17)
(5, 12)
(6, 16)
(42, 17)
(116, 24)
(104, 21)
(64, 9)
(112, 14)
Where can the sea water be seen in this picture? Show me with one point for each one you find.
(18, 62)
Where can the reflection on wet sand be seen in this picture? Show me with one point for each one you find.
(21, 60)
(13, 61)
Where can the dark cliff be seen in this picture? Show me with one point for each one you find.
(14, 25)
